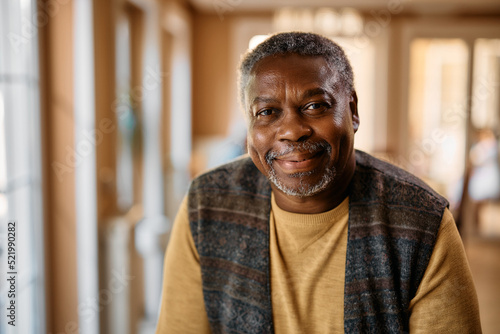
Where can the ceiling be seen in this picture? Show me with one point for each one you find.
(408, 6)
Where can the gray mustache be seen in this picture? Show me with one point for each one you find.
(300, 147)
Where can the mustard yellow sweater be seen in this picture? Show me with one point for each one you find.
(307, 278)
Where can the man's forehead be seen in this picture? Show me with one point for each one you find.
(291, 61)
(278, 69)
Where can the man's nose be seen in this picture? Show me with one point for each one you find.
(293, 127)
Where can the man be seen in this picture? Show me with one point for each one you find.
(308, 235)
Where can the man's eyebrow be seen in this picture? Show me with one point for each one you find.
(313, 92)
(262, 99)
(307, 94)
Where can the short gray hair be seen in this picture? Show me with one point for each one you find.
(301, 43)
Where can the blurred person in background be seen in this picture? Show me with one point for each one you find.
(484, 183)
(306, 234)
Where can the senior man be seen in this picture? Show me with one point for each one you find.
(308, 235)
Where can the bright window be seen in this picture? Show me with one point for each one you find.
(438, 112)
(485, 90)
(20, 168)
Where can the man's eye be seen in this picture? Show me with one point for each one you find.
(314, 106)
(317, 108)
(265, 112)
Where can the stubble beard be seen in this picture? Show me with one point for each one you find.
(304, 188)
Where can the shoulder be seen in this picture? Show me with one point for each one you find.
(375, 179)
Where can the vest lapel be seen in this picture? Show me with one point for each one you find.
(229, 216)
(393, 223)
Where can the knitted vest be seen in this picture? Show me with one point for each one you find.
(394, 219)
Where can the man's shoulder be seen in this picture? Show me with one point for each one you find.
(240, 174)
(393, 182)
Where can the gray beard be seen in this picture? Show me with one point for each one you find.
(304, 189)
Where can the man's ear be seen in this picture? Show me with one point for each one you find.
(353, 105)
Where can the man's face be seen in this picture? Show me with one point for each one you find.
(301, 124)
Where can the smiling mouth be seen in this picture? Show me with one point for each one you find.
(299, 157)
(294, 163)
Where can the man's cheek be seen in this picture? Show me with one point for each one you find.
(258, 159)
(252, 152)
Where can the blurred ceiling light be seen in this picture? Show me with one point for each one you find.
(352, 22)
(282, 18)
(256, 40)
(327, 21)
(305, 20)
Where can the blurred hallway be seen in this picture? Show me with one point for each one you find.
(108, 108)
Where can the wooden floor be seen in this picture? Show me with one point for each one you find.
(484, 260)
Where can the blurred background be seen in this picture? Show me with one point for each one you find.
(108, 108)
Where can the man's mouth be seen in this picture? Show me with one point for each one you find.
(298, 156)
(299, 162)
(304, 157)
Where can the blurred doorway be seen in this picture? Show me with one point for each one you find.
(484, 158)
(437, 112)
(453, 122)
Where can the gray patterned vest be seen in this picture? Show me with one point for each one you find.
(393, 223)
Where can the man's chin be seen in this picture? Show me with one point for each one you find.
(302, 187)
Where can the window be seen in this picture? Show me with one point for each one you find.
(20, 166)
(438, 112)
(485, 90)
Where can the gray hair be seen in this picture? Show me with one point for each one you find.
(304, 44)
